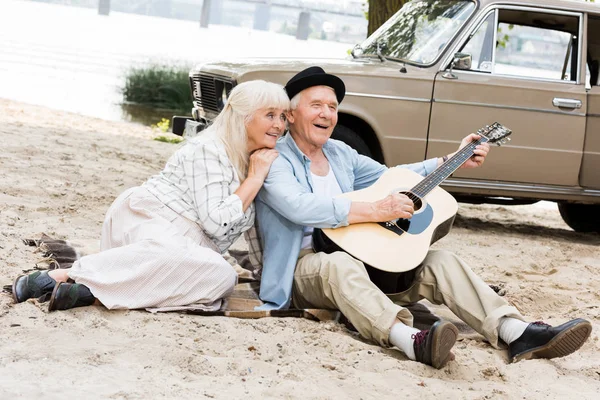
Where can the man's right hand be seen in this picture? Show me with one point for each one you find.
(391, 207)
(394, 206)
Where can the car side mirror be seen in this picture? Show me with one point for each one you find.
(461, 61)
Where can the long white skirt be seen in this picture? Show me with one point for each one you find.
(151, 257)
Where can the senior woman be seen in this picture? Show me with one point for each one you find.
(162, 242)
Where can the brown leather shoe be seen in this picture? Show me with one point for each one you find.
(70, 295)
(541, 340)
(432, 347)
(36, 284)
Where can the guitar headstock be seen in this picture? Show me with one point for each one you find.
(496, 133)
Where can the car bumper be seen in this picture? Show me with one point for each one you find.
(187, 126)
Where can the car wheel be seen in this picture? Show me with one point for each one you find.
(581, 217)
(352, 139)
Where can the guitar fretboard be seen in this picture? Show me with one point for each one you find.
(445, 170)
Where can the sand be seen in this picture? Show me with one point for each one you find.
(59, 172)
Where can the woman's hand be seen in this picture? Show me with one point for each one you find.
(258, 168)
(260, 163)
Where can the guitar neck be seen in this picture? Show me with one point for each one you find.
(434, 179)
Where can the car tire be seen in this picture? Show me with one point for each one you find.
(581, 217)
(352, 139)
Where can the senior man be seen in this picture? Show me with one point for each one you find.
(299, 194)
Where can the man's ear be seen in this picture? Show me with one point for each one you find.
(289, 116)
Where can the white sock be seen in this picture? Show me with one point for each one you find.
(401, 337)
(510, 329)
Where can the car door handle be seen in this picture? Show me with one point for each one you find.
(566, 103)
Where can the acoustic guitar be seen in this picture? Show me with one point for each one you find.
(401, 245)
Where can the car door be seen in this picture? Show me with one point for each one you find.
(526, 75)
(590, 167)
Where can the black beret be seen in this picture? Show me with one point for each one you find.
(315, 76)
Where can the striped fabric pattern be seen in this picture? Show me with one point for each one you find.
(254, 249)
(198, 182)
(151, 257)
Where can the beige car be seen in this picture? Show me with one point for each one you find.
(438, 70)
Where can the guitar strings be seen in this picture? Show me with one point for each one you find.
(437, 176)
(440, 174)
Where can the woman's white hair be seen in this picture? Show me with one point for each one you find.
(243, 102)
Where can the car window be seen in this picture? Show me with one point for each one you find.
(480, 45)
(528, 45)
(419, 31)
(533, 52)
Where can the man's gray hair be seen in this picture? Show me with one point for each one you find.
(295, 101)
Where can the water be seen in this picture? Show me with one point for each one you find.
(73, 59)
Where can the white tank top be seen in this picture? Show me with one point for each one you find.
(323, 186)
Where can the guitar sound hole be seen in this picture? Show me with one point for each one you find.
(403, 224)
(416, 200)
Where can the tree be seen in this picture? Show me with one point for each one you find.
(380, 11)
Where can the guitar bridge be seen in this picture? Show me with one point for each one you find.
(398, 226)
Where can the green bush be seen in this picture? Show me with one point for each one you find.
(166, 139)
(159, 86)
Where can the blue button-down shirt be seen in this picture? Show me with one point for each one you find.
(286, 204)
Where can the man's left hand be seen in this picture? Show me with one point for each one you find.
(479, 153)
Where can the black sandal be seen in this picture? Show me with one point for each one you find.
(36, 284)
(70, 295)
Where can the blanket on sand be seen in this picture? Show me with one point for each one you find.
(58, 253)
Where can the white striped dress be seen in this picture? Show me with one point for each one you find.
(162, 242)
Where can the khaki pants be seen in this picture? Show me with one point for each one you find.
(339, 281)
